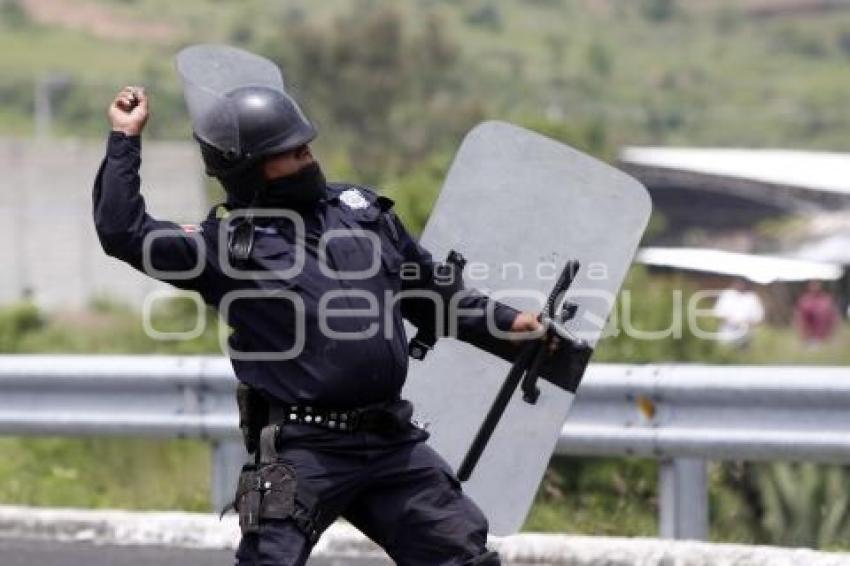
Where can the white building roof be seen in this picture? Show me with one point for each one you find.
(822, 171)
(756, 268)
(834, 249)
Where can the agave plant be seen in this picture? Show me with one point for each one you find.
(805, 504)
(794, 504)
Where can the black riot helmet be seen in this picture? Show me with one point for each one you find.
(240, 114)
(269, 122)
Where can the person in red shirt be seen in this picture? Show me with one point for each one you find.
(816, 315)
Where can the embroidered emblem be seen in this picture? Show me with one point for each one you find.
(354, 199)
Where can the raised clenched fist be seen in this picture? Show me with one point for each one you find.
(129, 111)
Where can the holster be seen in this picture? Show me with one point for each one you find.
(253, 415)
(264, 492)
(268, 489)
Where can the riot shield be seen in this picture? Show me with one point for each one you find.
(211, 72)
(526, 212)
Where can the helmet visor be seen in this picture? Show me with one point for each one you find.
(209, 73)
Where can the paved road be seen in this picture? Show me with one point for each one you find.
(48, 553)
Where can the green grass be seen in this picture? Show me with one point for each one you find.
(783, 346)
(126, 473)
(15, 123)
(719, 76)
(31, 52)
(105, 473)
(597, 496)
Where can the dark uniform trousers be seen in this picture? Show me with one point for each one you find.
(398, 492)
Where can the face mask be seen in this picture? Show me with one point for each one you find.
(240, 188)
(301, 190)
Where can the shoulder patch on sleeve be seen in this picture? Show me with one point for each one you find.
(191, 228)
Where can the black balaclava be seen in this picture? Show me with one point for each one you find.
(301, 191)
(241, 188)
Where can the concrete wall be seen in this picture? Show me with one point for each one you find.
(48, 247)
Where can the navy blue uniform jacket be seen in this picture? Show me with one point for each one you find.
(265, 311)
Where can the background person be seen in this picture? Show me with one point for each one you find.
(816, 314)
(740, 309)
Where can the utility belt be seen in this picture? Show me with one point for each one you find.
(383, 418)
(256, 412)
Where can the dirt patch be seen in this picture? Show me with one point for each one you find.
(775, 8)
(83, 320)
(97, 20)
(778, 8)
(752, 8)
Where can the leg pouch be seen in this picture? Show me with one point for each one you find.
(264, 492)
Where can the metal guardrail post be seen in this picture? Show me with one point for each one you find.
(683, 497)
(227, 459)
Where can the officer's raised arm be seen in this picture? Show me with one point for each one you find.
(120, 216)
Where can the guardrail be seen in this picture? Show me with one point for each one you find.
(682, 415)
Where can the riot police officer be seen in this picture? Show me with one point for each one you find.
(298, 268)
